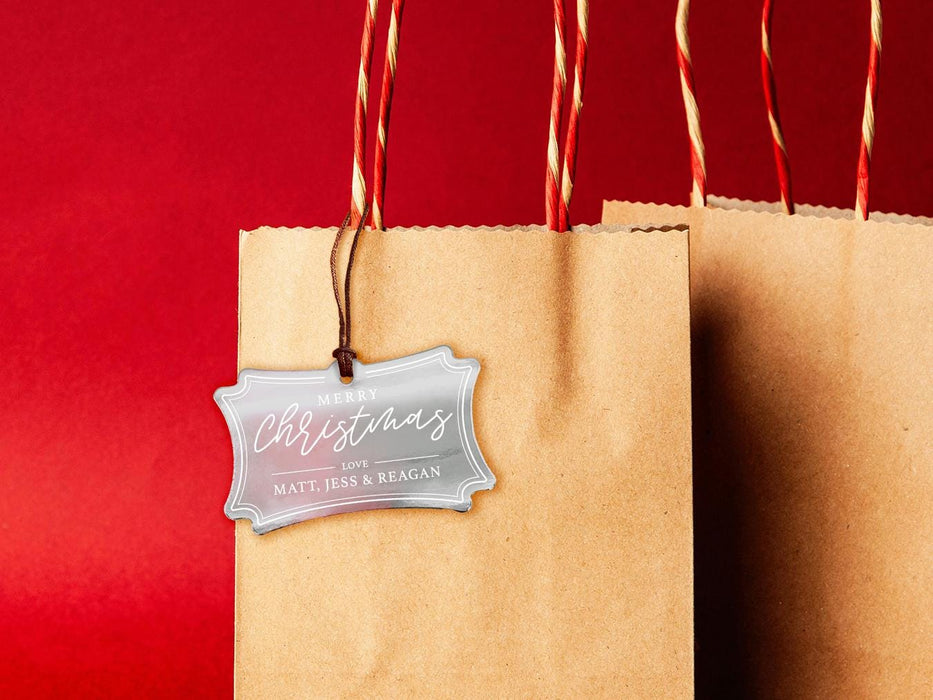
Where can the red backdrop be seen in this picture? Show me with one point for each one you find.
(138, 138)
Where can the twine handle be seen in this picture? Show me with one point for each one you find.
(781, 161)
(552, 208)
(868, 115)
(557, 200)
(573, 126)
(358, 187)
(697, 147)
(385, 106)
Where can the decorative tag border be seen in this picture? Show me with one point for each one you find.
(482, 478)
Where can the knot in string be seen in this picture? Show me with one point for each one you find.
(344, 352)
(345, 357)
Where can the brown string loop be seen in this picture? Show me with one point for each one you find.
(344, 352)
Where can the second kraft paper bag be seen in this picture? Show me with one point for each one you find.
(812, 345)
(573, 576)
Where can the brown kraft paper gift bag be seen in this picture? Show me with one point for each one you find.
(573, 576)
(812, 344)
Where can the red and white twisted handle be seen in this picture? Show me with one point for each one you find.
(358, 185)
(557, 201)
(385, 105)
(868, 115)
(697, 148)
(774, 117)
(573, 126)
(358, 188)
(552, 207)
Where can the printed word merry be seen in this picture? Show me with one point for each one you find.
(339, 397)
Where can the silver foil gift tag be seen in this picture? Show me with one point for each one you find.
(400, 435)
